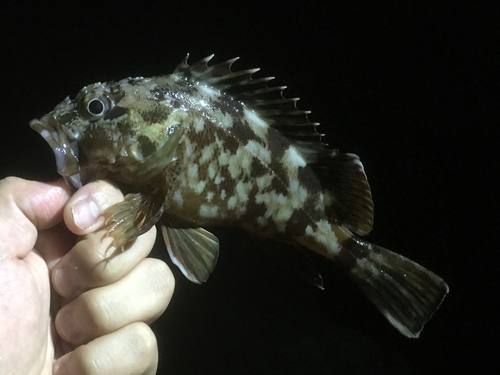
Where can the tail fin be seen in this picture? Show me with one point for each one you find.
(406, 293)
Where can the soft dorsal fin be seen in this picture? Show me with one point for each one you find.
(347, 193)
(348, 197)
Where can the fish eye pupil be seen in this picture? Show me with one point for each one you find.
(96, 107)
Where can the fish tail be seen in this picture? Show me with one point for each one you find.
(406, 293)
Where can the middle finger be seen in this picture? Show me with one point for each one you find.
(89, 264)
(142, 295)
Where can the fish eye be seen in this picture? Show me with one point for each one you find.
(95, 107)
(98, 107)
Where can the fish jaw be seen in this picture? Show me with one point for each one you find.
(65, 150)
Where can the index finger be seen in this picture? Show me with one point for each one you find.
(27, 207)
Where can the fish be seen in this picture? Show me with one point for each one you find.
(211, 146)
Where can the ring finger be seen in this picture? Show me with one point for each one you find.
(130, 350)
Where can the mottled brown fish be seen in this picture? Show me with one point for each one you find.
(208, 146)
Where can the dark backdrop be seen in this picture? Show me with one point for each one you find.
(411, 88)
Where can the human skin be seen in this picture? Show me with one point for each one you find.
(66, 306)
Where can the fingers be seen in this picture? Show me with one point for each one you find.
(82, 214)
(130, 350)
(142, 295)
(28, 206)
(89, 264)
(108, 294)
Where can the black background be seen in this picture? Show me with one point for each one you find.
(411, 88)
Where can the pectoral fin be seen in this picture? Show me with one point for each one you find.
(134, 216)
(193, 250)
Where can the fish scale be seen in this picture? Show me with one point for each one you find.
(208, 146)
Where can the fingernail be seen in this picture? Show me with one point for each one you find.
(66, 325)
(66, 281)
(85, 213)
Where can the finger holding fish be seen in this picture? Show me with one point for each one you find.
(109, 299)
(89, 264)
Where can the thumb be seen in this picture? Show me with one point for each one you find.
(83, 213)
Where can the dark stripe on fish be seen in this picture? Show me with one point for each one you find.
(115, 112)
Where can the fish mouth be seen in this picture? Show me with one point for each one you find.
(65, 151)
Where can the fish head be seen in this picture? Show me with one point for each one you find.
(116, 126)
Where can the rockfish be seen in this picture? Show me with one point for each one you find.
(209, 146)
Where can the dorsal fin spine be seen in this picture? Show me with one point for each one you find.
(276, 101)
(268, 90)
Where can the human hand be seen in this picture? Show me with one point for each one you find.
(94, 321)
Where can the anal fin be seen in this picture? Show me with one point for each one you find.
(193, 250)
(298, 259)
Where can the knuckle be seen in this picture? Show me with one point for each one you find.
(144, 340)
(163, 280)
(150, 235)
(10, 180)
(96, 311)
(83, 361)
(87, 256)
(7, 185)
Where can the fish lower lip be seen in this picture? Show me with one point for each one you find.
(74, 181)
(65, 152)
(46, 131)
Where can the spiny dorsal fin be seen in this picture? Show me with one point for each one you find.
(268, 102)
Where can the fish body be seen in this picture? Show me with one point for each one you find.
(209, 146)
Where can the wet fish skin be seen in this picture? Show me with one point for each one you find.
(208, 146)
